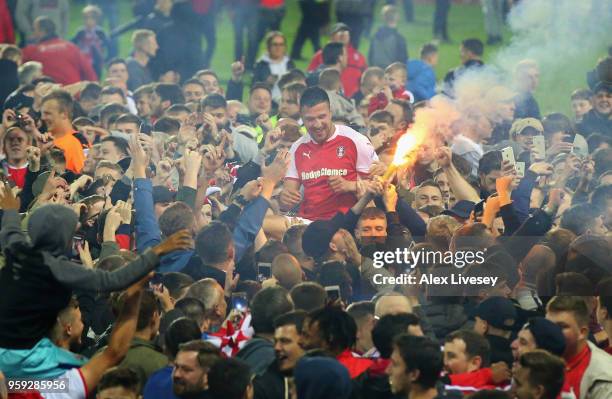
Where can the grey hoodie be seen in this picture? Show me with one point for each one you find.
(37, 280)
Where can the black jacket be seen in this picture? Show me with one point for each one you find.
(526, 106)
(197, 270)
(445, 318)
(500, 350)
(9, 81)
(594, 122)
(178, 49)
(271, 385)
(453, 74)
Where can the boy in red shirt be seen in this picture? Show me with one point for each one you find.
(396, 76)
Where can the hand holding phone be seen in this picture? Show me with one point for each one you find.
(539, 147)
(508, 155)
(239, 301)
(333, 293)
(264, 271)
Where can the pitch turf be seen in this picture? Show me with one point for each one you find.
(465, 20)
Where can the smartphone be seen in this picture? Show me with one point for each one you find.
(539, 147)
(520, 169)
(569, 138)
(239, 301)
(77, 242)
(156, 282)
(508, 155)
(264, 271)
(333, 292)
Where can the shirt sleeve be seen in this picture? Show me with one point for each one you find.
(292, 172)
(366, 154)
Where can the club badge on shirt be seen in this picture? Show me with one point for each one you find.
(340, 151)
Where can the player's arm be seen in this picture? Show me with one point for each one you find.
(120, 339)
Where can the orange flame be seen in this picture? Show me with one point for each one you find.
(406, 144)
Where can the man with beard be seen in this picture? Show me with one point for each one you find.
(216, 121)
(327, 162)
(68, 328)
(191, 366)
(416, 364)
(273, 383)
(163, 97)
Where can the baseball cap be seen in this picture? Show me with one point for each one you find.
(603, 86)
(547, 335)
(520, 124)
(498, 312)
(317, 237)
(339, 27)
(162, 194)
(461, 209)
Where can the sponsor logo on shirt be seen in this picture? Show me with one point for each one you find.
(315, 174)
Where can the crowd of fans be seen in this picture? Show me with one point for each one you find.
(167, 236)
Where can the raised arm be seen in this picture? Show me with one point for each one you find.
(147, 229)
(458, 185)
(76, 276)
(120, 339)
(11, 234)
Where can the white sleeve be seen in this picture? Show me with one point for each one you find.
(292, 172)
(366, 154)
(74, 389)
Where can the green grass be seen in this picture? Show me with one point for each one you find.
(465, 20)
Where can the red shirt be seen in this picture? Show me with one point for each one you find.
(272, 3)
(7, 33)
(347, 154)
(475, 381)
(62, 60)
(17, 175)
(351, 75)
(355, 365)
(575, 368)
(380, 101)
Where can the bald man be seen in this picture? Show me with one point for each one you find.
(210, 292)
(287, 271)
(393, 303)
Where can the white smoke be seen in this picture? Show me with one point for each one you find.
(564, 37)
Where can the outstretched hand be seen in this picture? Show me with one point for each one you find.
(8, 201)
(181, 240)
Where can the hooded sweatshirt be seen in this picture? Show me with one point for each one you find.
(38, 279)
(258, 353)
(322, 378)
